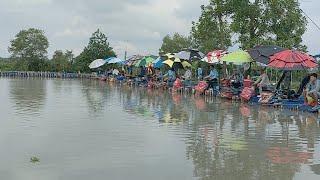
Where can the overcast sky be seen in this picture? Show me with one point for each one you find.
(135, 25)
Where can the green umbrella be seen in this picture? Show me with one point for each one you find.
(237, 57)
(145, 61)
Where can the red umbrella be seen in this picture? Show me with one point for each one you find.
(292, 60)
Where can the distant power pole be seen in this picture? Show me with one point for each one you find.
(125, 51)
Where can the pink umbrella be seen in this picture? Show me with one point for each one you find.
(214, 56)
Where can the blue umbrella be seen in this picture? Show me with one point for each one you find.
(114, 60)
(158, 63)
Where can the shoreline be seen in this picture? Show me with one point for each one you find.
(40, 74)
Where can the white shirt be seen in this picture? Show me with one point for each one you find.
(115, 72)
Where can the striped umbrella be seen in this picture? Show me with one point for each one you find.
(292, 60)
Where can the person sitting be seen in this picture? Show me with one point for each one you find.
(304, 83)
(158, 75)
(236, 79)
(115, 72)
(120, 77)
(236, 82)
(262, 82)
(187, 77)
(311, 92)
(130, 70)
(142, 72)
(171, 77)
(212, 78)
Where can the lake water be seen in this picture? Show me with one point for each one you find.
(93, 130)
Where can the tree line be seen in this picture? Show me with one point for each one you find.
(29, 47)
(244, 23)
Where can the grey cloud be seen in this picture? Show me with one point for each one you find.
(68, 24)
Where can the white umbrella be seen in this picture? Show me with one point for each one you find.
(114, 60)
(97, 63)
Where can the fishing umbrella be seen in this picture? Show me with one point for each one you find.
(114, 60)
(292, 60)
(167, 56)
(261, 54)
(144, 61)
(133, 59)
(190, 54)
(158, 63)
(97, 63)
(237, 57)
(176, 63)
(214, 56)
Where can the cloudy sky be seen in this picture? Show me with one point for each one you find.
(137, 26)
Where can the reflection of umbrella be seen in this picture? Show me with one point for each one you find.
(158, 63)
(237, 57)
(282, 155)
(261, 54)
(145, 61)
(97, 63)
(292, 60)
(176, 97)
(114, 60)
(190, 54)
(245, 110)
(200, 103)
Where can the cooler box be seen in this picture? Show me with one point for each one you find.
(247, 82)
(247, 93)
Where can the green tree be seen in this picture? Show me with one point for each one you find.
(248, 22)
(278, 22)
(61, 61)
(175, 43)
(30, 48)
(212, 30)
(287, 23)
(98, 48)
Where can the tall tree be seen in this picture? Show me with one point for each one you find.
(175, 43)
(30, 46)
(212, 31)
(98, 48)
(248, 22)
(279, 22)
(287, 23)
(61, 61)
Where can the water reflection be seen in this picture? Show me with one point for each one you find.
(28, 95)
(96, 94)
(228, 140)
(100, 127)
